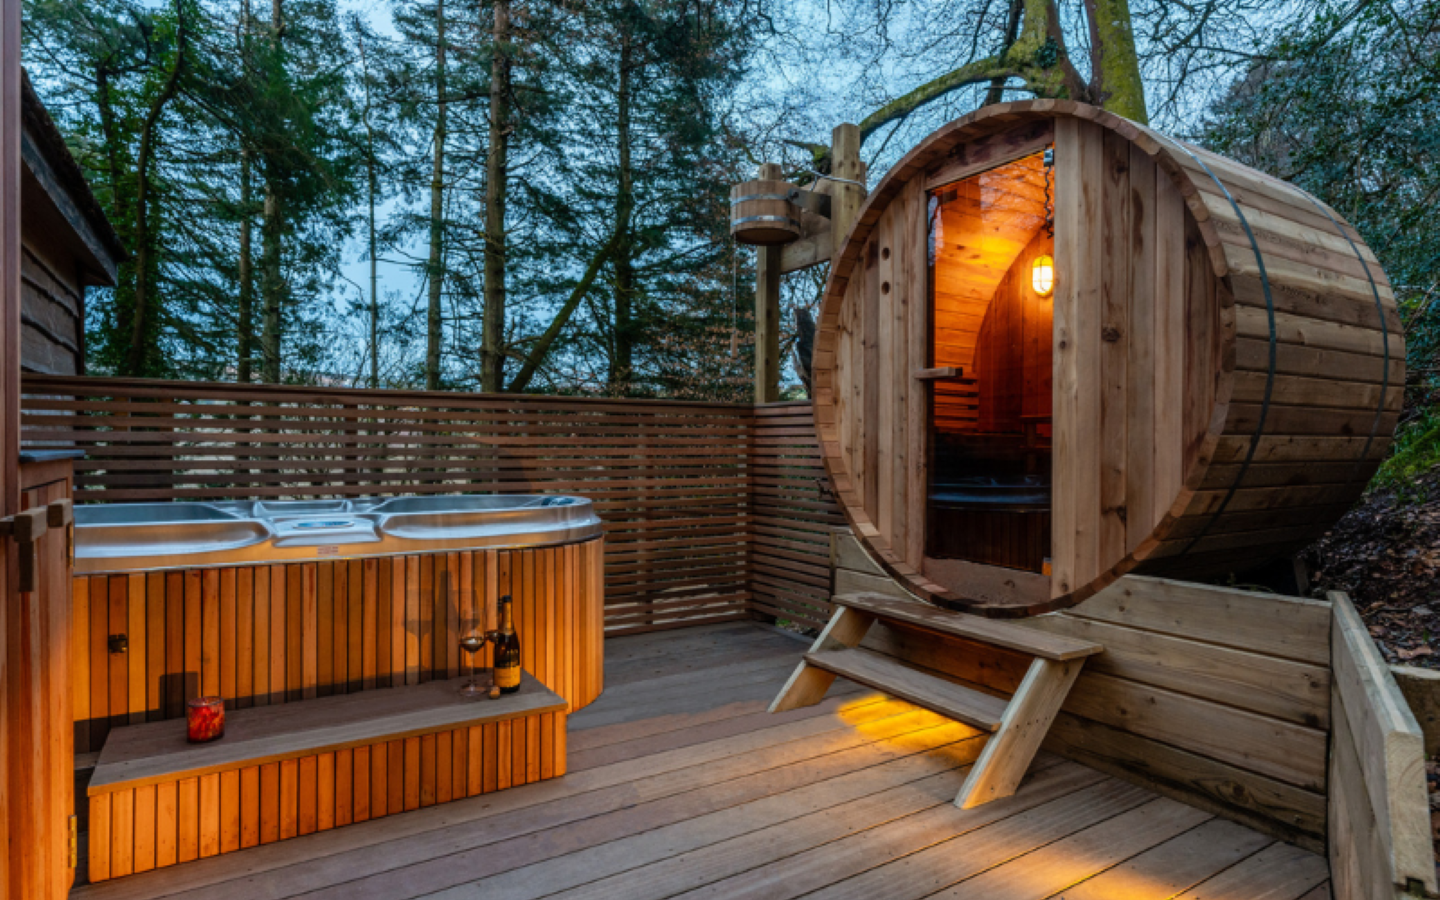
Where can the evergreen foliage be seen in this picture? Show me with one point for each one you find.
(1347, 106)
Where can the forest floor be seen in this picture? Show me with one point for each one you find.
(1385, 553)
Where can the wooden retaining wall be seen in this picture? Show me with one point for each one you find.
(266, 635)
(1379, 817)
(1218, 697)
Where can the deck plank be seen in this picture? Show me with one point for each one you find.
(724, 859)
(1279, 872)
(922, 854)
(681, 785)
(1037, 875)
(660, 844)
(431, 865)
(1174, 866)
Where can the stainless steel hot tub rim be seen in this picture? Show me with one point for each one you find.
(199, 535)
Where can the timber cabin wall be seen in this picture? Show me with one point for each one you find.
(1227, 360)
(67, 245)
(1217, 697)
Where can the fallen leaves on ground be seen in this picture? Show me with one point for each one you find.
(1385, 553)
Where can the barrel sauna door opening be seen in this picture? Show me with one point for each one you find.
(992, 282)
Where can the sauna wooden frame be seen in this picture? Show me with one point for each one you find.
(1228, 361)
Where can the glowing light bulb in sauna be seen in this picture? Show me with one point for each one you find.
(1042, 275)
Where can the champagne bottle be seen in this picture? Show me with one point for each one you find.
(507, 651)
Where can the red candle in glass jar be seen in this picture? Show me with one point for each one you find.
(205, 719)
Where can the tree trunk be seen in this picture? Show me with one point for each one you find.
(374, 264)
(272, 283)
(245, 324)
(541, 347)
(112, 145)
(1037, 57)
(1115, 81)
(141, 339)
(622, 356)
(492, 353)
(436, 269)
(371, 188)
(245, 330)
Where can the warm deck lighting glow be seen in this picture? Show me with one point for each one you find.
(1042, 275)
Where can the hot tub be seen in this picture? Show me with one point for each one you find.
(141, 537)
(272, 602)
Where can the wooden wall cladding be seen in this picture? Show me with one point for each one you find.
(1218, 697)
(170, 821)
(36, 626)
(1228, 364)
(669, 479)
(261, 635)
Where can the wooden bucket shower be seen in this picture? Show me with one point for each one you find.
(1209, 383)
(764, 212)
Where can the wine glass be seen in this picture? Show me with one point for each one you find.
(473, 643)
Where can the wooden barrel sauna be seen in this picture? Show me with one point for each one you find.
(764, 212)
(1059, 347)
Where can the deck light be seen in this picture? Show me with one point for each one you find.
(1042, 275)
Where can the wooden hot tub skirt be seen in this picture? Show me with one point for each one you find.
(272, 634)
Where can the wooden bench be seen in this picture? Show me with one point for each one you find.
(298, 768)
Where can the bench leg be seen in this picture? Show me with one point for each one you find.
(808, 684)
(1027, 720)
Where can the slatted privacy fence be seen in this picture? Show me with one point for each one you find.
(793, 514)
(670, 479)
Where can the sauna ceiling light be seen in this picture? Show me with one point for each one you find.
(1042, 275)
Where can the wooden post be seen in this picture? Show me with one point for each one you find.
(845, 198)
(20, 874)
(767, 312)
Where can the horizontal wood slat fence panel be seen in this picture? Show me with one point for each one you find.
(793, 515)
(671, 480)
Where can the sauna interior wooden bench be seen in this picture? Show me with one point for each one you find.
(284, 771)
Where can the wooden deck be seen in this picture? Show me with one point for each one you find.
(681, 784)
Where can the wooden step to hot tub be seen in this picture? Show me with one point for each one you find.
(1017, 725)
(298, 768)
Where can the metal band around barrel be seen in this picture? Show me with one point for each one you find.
(1269, 375)
(786, 220)
(749, 197)
(1384, 339)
